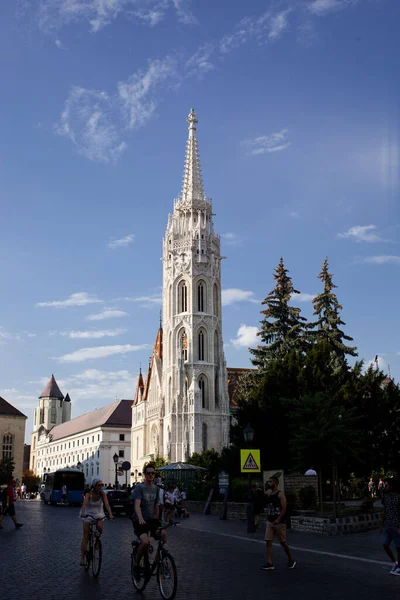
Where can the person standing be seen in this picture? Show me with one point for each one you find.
(8, 505)
(64, 494)
(390, 529)
(276, 523)
(371, 488)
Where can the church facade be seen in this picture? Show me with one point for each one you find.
(182, 406)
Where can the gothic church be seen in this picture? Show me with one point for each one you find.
(182, 406)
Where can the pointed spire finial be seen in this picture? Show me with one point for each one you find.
(192, 181)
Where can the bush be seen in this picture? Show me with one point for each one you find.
(308, 498)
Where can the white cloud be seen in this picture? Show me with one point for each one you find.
(303, 297)
(183, 12)
(232, 295)
(96, 375)
(54, 14)
(293, 214)
(266, 28)
(86, 335)
(382, 364)
(78, 299)
(200, 62)
(275, 142)
(98, 352)
(379, 260)
(322, 7)
(231, 239)
(144, 300)
(362, 233)
(136, 95)
(60, 45)
(107, 314)
(122, 242)
(246, 337)
(88, 120)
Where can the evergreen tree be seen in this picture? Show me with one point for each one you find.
(327, 309)
(282, 327)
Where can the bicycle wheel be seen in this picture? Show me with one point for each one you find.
(88, 557)
(96, 558)
(138, 574)
(167, 577)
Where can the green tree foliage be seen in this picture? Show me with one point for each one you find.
(209, 459)
(282, 327)
(328, 324)
(6, 470)
(30, 479)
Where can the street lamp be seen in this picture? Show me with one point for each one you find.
(115, 459)
(248, 434)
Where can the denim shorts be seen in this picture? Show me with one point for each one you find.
(391, 534)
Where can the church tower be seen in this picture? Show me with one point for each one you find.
(195, 390)
(53, 409)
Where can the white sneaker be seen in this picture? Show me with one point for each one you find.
(396, 571)
(394, 567)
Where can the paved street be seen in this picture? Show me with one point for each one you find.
(216, 560)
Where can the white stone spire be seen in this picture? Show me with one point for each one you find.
(192, 189)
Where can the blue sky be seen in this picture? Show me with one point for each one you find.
(298, 132)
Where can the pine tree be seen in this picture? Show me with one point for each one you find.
(282, 327)
(327, 309)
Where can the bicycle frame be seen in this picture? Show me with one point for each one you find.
(94, 546)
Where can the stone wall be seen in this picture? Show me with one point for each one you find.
(296, 481)
(339, 526)
(15, 426)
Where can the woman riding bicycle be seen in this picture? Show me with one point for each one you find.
(93, 508)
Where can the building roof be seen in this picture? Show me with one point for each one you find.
(117, 414)
(142, 388)
(52, 390)
(8, 410)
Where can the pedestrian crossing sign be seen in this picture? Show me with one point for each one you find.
(250, 461)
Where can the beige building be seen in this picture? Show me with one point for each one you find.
(12, 435)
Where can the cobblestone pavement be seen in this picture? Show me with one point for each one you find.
(216, 560)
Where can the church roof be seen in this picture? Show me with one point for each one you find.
(142, 388)
(67, 398)
(117, 414)
(8, 410)
(52, 390)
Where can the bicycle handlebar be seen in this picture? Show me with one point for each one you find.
(93, 519)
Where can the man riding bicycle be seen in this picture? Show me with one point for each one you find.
(146, 513)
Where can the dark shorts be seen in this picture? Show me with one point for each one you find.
(150, 527)
(391, 534)
(9, 510)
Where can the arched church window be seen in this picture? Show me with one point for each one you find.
(53, 417)
(182, 296)
(201, 294)
(203, 391)
(183, 343)
(201, 345)
(204, 436)
(216, 385)
(216, 300)
(8, 446)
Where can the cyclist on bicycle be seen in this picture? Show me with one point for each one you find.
(93, 508)
(146, 512)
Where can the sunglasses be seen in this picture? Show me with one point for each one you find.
(150, 473)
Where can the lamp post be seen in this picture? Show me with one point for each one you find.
(248, 434)
(115, 459)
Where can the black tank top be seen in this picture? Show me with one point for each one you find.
(274, 508)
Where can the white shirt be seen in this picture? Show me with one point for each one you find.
(310, 472)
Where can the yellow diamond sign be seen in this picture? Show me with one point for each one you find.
(250, 461)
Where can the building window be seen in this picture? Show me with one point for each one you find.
(121, 437)
(121, 453)
(73, 444)
(8, 446)
(98, 453)
(98, 470)
(41, 417)
(77, 442)
(200, 297)
(204, 436)
(184, 345)
(69, 444)
(53, 415)
(87, 440)
(201, 345)
(92, 439)
(98, 437)
(92, 471)
(203, 391)
(182, 297)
